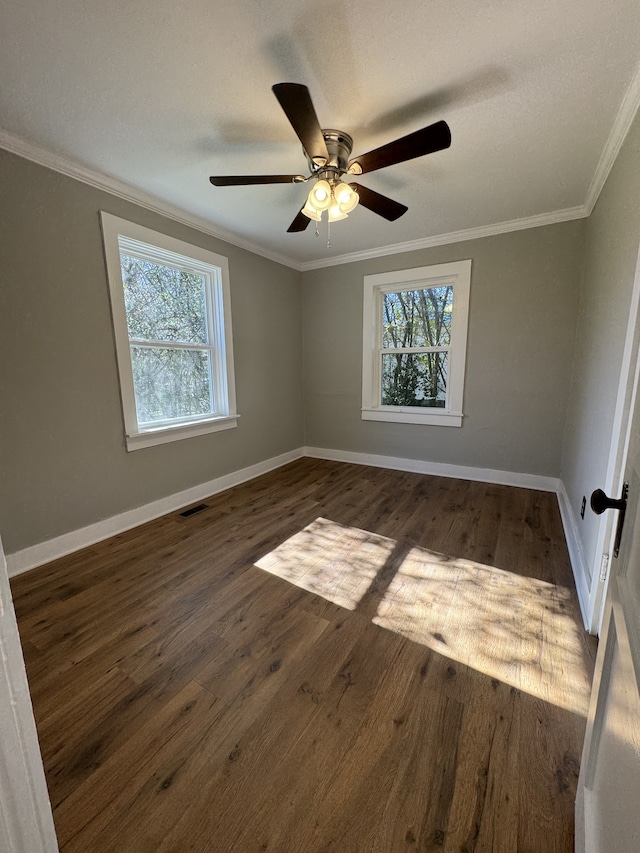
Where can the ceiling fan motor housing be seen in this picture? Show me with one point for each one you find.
(339, 145)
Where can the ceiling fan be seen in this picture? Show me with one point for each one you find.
(328, 151)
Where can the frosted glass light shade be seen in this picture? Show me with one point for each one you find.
(346, 198)
(320, 196)
(336, 213)
(311, 212)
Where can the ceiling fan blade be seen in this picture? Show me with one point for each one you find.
(246, 180)
(380, 204)
(436, 137)
(299, 223)
(295, 100)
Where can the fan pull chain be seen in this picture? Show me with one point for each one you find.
(328, 233)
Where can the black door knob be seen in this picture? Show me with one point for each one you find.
(600, 502)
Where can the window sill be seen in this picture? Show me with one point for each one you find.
(163, 435)
(411, 416)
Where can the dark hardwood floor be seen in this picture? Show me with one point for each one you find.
(328, 658)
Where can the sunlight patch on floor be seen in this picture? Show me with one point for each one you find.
(517, 629)
(339, 563)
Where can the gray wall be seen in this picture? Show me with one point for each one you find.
(63, 461)
(522, 320)
(613, 238)
(298, 356)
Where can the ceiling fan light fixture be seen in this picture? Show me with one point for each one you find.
(336, 213)
(311, 212)
(346, 197)
(320, 196)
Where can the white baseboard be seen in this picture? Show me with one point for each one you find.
(576, 552)
(44, 552)
(438, 469)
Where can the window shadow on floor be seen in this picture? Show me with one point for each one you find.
(519, 630)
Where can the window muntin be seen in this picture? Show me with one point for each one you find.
(172, 323)
(414, 344)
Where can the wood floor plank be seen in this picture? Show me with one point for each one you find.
(147, 824)
(100, 735)
(138, 775)
(330, 657)
(400, 745)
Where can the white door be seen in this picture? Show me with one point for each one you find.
(615, 475)
(608, 801)
(26, 823)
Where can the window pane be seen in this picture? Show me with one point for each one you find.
(171, 383)
(415, 380)
(163, 303)
(417, 318)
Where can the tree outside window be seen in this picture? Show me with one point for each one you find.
(416, 334)
(169, 337)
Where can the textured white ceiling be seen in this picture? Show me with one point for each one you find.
(161, 95)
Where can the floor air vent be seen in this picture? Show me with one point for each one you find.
(193, 510)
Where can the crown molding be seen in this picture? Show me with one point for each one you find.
(125, 191)
(621, 126)
(626, 114)
(536, 221)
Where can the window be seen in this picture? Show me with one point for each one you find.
(172, 324)
(414, 344)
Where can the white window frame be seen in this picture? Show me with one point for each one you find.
(119, 235)
(456, 274)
